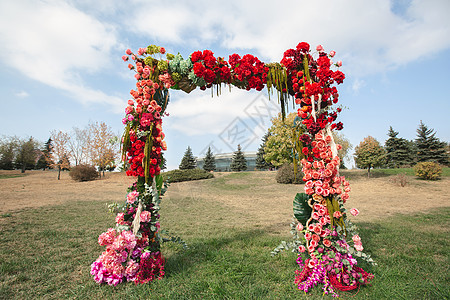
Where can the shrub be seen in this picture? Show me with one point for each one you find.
(428, 170)
(400, 179)
(83, 173)
(186, 175)
(285, 174)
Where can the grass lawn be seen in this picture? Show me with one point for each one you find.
(46, 253)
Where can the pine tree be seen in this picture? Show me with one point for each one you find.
(238, 162)
(188, 160)
(398, 151)
(209, 161)
(429, 147)
(44, 161)
(261, 163)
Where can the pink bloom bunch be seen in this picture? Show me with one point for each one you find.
(118, 261)
(132, 196)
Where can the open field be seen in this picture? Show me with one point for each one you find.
(49, 230)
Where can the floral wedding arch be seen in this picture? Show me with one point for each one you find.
(321, 229)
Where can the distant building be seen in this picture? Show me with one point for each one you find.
(223, 161)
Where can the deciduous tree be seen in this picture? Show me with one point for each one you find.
(369, 154)
(103, 145)
(279, 146)
(27, 152)
(59, 150)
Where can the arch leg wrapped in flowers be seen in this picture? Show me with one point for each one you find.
(133, 248)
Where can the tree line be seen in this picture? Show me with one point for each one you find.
(399, 152)
(95, 145)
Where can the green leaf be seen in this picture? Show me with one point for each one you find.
(302, 210)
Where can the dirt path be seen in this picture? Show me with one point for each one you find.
(255, 194)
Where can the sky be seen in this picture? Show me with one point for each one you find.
(61, 66)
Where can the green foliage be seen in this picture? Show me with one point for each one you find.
(261, 163)
(279, 148)
(186, 175)
(83, 173)
(302, 210)
(209, 161)
(8, 149)
(188, 160)
(286, 174)
(26, 154)
(429, 147)
(398, 151)
(428, 170)
(369, 154)
(238, 162)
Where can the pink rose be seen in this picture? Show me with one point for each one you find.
(319, 48)
(308, 236)
(141, 51)
(299, 227)
(132, 196)
(125, 58)
(301, 248)
(128, 51)
(337, 214)
(145, 216)
(356, 239)
(339, 63)
(313, 243)
(354, 212)
(327, 243)
(359, 247)
(332, 53)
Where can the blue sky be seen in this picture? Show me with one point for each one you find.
(61, 64)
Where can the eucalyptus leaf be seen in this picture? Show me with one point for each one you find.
(302, 210)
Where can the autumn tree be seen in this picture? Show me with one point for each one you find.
(59, 151)
(79, 145)
(279, 148)
(27, 152)
(346, 146)
(238, 162)
(369, 154)
(188, 160)
(209, 161)
(103, 145)
(429, 147)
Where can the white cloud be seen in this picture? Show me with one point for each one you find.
(21, 94)
(198, 113)
(368, 36)
(56, 44)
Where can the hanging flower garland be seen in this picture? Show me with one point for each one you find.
(133, 248)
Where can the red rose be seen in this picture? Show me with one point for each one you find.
(196, 56)
(303, 47)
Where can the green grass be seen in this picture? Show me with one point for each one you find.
(4, 176)
(375, 173)
(47, 252)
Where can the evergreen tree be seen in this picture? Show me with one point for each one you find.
(429, 147)
(238, 162)
(261, 163)
(188, 160)
(209, 161)
(44, 161)
(398, 150)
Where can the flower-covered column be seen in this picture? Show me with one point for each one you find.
(133, 248)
